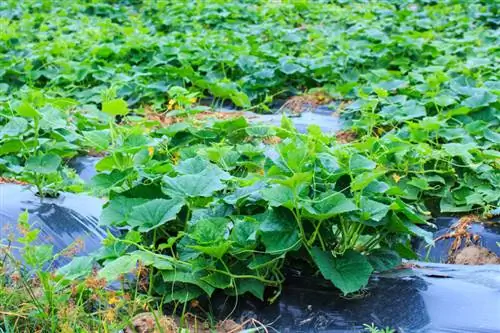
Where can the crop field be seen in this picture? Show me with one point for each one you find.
(198, 200)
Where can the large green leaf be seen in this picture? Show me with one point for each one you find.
(364, 179)
(117, 210)
(384, 259)
(154, 213)
(251, 286)
(15, 127)
(98, 140)
(43, 164)
(159, 261)
(214, 250)
(189, 277)
(279, 195)
(114, 269)
(328, 205)
(359, 162)
(210, 235)
(372, 212)
(201, 184)
(244, 232)
(38, 256)
(115, 107)
(349, 272)
(480, 99)
(78, 267)
(210, 230)
(278, 231)
(106, 181)
(27, 110)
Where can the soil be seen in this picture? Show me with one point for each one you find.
(475, 255)
(146, 322)
(4, 180)
(165, 119)
(346, 136)
(461, 234)
(298, 104)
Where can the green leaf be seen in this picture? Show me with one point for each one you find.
(11, 146)
(244, 232)
(349, 272)
(159, 261)
(240, 99)
(118, 209)
(384, 259)
(399, 205)
(37, 256)
(107, 181)
(260, 131)
(120, 266)
(52, 119)
(459, 149)
(419, 232)
(251, 286)
(189, 277)
(218, 280)
(328, 205)
(43, 164)
(480, 99)
(291, 68)
(406, 111)
(210, 230)
(179, 292)
(78, 267)
(202, 184)
(15, 127)
(278, 231)
(263, 260)
(115, 107)
(359, 162)
(252, 191)
(154, 213)
(405, 251)
(27, 110)
(98, 140)
(279, 195)
(214, 250)
(372, 210)
(329, 163)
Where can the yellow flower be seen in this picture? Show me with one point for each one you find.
(110, 315)
(114, 300)
(396, 177)
(171, 104)
(175, 158)
(151, 151)
(193, 100)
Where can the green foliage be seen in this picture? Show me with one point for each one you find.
(209, 205)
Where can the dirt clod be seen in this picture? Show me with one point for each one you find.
(298, 104)
(5, 180)
(166, 120)
(346, 136)
(461, 235)
(475, 255)
(146, 322)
